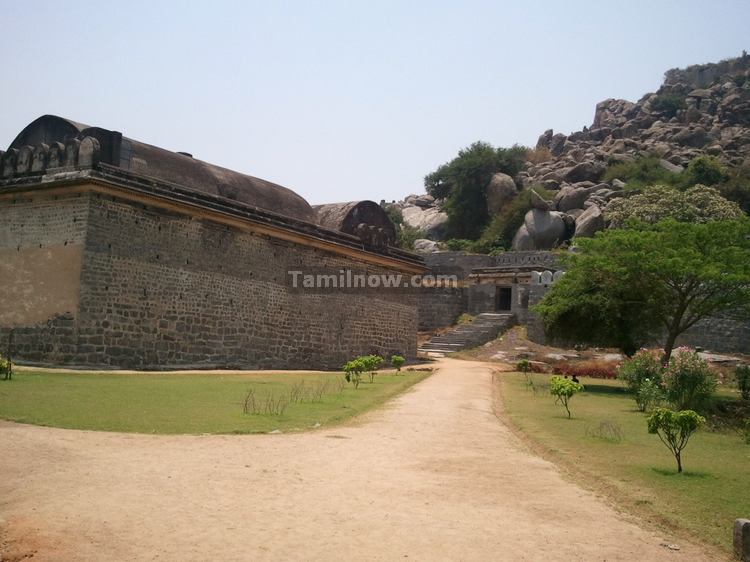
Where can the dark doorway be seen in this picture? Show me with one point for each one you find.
(503, 298)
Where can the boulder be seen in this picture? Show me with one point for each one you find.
(589, 222)
(546, 228)
(585, 171)
(522, 241)
(500, 191)
(538, 203)
(425, 246)
(573, 198)
(669, 167)
(430, 220)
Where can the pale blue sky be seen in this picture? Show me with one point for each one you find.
(345, 100)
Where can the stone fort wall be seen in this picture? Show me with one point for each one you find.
(159, 289)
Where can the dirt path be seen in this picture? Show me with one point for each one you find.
(431, 476)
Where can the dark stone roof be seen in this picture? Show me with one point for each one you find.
(143, 159)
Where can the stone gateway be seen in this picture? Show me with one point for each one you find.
(115, 253)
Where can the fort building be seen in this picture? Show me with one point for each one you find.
(116, 253)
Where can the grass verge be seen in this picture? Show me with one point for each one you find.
(186, 403)
(607, 447)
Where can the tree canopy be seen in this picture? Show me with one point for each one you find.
(461, 184)
(697, 204)
(629, 287)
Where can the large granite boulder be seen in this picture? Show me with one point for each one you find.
(573, 197)
(500, 191)
(585, 171)
(424, 246)
(541, 230)
(430, 220)
(589, 222)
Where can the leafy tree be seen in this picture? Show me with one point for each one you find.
(370, 364)
(564, 389)
(462, 181)
(625, 288)
(697, 204)
(674, 429)
(397, 361)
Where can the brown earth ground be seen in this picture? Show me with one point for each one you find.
(433, 475)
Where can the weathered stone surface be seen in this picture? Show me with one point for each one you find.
(742, 539)
(432, 221)
(545, 228)
(585, 171)
(538, 203)
(500, 191)
(424, 245)
(589, 222)
(573, 198)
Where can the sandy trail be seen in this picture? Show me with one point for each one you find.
(431, 476)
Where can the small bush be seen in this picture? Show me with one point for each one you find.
(459, 245)
(704, 170)
(591, 368)
(353, 371)
(644, 366)
(564, 389)
(407, 235)
(747, 432)
(464, 319)
(742, 376)
(6, 369)
(642, 172)
(397, 361)
(668, 104)
(688, 380)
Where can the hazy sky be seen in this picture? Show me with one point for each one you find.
(345, 100)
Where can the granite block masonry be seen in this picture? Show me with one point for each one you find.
(110, 259)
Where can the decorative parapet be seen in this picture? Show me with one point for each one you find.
(46, 158)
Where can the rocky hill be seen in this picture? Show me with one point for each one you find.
(702, 109)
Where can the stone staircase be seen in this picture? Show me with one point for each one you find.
(485, 327)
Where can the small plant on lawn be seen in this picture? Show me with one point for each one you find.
(644, 366)
(371, 364)
(524, 366)
(742, 376)
(607, 430)
(688, 380)
(564, 389)
(397, 361)
(353, 371)
(6, 369)
(674, 429)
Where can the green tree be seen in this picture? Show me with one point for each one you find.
(353, 371)
(704, 170)
(628, 287)
(674, 429)
(564, 389)
(658, 202)
(462, 181)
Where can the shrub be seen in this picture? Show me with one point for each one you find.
(742, 376)
(397, 361)
(564, 389)
(668, 104)
(592, 368)
(406, 236)
(705, 170)
(688, 380)
(464, 319)
(747, 432)
(6, 368)
(459, 245)
(370, 364)
(642, 172)
(643, 366)
(649, 395)
(674, 429)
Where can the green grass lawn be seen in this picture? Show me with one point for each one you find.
(638, 472)
(185, 403)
